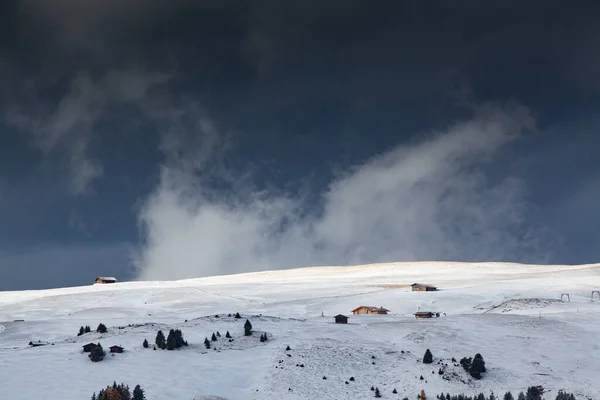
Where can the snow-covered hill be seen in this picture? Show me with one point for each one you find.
(510, 313)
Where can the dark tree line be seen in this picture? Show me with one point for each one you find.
(173, 341)
(532, 393)
(119, 392)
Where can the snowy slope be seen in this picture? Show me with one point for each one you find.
(510, 313)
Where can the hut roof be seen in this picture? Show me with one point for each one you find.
(371, 308)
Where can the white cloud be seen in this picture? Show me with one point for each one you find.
(429, 200)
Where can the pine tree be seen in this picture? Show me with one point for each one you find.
(228, 335)
(377, 393)
(564, 396)
(213, 337)
(521, 396)
(101, 328)
(171, 340)
(422, 395)
(97, 353)
(247, 328)
(207, 343)
(179, 339)
(394, 391)
(428, 357)
(138, 393)
(477, 366)
(481, 396)
(145, 344)
(237, 315)
(508, 396)
(263, 337)
(533, 393)
(81, 331)
(218, 334)
(160, 340)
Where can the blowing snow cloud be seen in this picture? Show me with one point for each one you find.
(424, 201)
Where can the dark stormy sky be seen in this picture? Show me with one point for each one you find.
(160, 139)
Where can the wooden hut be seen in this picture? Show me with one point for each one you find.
(116, 349)
(341, 319)
(426, 314)
(105, 279)
(420, 287)
(89, 347)
(370, 310)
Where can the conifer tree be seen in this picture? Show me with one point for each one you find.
(377, 393)
(508, 396)
(237, 315)
(533, 393)
(207, 343)
(564, 396)
(477, 366)
(218, 334)
(97, 353)
(138, 393)
(422, 395)
(179, 339)
(394, 391)
(145, 344)
(171, 340)
(101, 328)
(521, 396)
(213, 337)
(247, 328)
(228, 335)
(81, 331)
(160, 340)
(428, 357)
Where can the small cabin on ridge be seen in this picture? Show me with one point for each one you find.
(105, 279)
(370, 310)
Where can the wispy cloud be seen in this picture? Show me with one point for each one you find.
(429, 200)
(68, 123)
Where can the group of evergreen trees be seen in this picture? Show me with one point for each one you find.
(173, 341)
(532, 393)
(474, 366)
(263, 337)
(101, 329)
(119, 392)
(83, 330)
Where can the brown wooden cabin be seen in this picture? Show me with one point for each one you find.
(89, 347)
(370, 310)
(116, 349)
(105, 279)
(341, 319)
(426, 314)
(420, 287)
